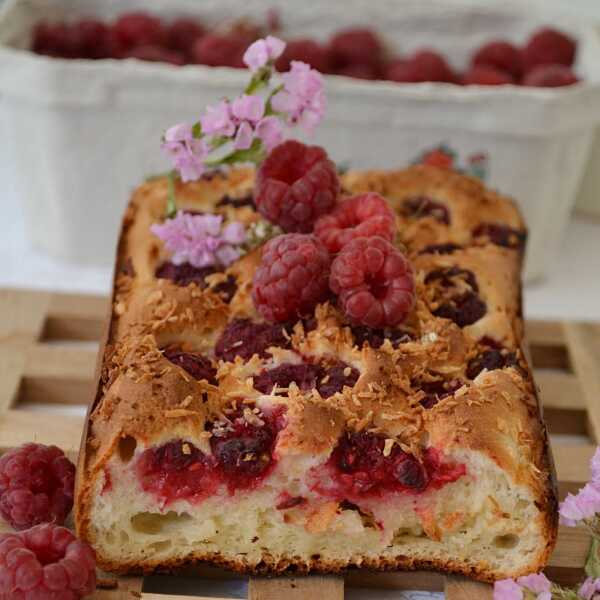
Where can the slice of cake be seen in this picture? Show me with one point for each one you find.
(325, 440)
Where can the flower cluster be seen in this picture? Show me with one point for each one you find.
(201, 240)
(581, 508)
(246, 128)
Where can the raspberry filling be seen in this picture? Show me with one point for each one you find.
(244, 338)
(227, 200)
(327, 379)
(448, 248)
(185, 274)
(491, 359)
(198, 366)
(422, 206)
(177, 470)
(459, 299)
(376, 337)
(360, 216)
(242, 456)
(436, 390)
(501, 235)
(243, 447)
(360, 467)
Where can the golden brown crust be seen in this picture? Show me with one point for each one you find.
(143, 395)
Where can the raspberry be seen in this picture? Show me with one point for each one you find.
(244, 338)
(177, 470)
(139, 29)
(376, 337)
(501, 235)
(436, 390)
(36, 485)
(152, 53)
(500, 55)
(94, 38)
(48, 562)
(305, 50)
(219, 51)
(357, 71)
(244, 450)
(425, 65)
(184, 274)
(198, 366)
(355, 47)
(334, 377)
(550, 76)
(296, 184)
(374, 282)
(486, 75)
(292, 277)
(364, 215)
(303, 375)
(182, 35)
(548, 47)
(491, 359)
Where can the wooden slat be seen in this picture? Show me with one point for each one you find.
(548, 333)
(12, 365)
(400, 580)
(463, 589)
(559, 389)
(75, 317)
(87, 306)
(130, 588)
(572, 462)
(296, 588)
(179, 597)
(22, 316)
(584, 348)
(19, 427)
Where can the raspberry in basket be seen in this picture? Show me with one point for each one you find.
(46, 561)
(355, 47)
(219, 51)
(425, 65)
(486, 75)
(296, 184)
(549, 47)
(364, 215)
(500, 55)
(305, 50)
(374, 282)
(138, 29)
(550, 76)
(292, 277)
(36, 485)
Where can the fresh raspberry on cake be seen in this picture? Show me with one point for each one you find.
(500, 55)
(36, 485)
(374, 282)
(364, 215)
(292, 277)
(46, 562)
(357, 46)
(549, 47)
(486, 75)
(296, 184)
(425, 65)
(305, 50)
(550, 76)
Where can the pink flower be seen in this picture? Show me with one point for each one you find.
(244, 136)
(302, 98)
(589, 588)
(536, 582)
(261, 52)
(217, 120)
(248, 108)
(186, 153)
(507, 589)
(200, 239)
(584, 505)
(595, 467)
(270, 131)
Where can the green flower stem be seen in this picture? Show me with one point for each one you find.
(171, 200)
(592, 563)
(259, 80)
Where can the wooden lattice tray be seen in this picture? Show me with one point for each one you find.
(48, 345)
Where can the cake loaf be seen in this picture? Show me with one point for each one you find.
(320, 444)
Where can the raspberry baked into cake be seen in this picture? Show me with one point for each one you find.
(343, 387)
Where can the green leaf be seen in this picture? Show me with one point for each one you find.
(197, 130)
(254, 154)
(171, 199)
(592, 563)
